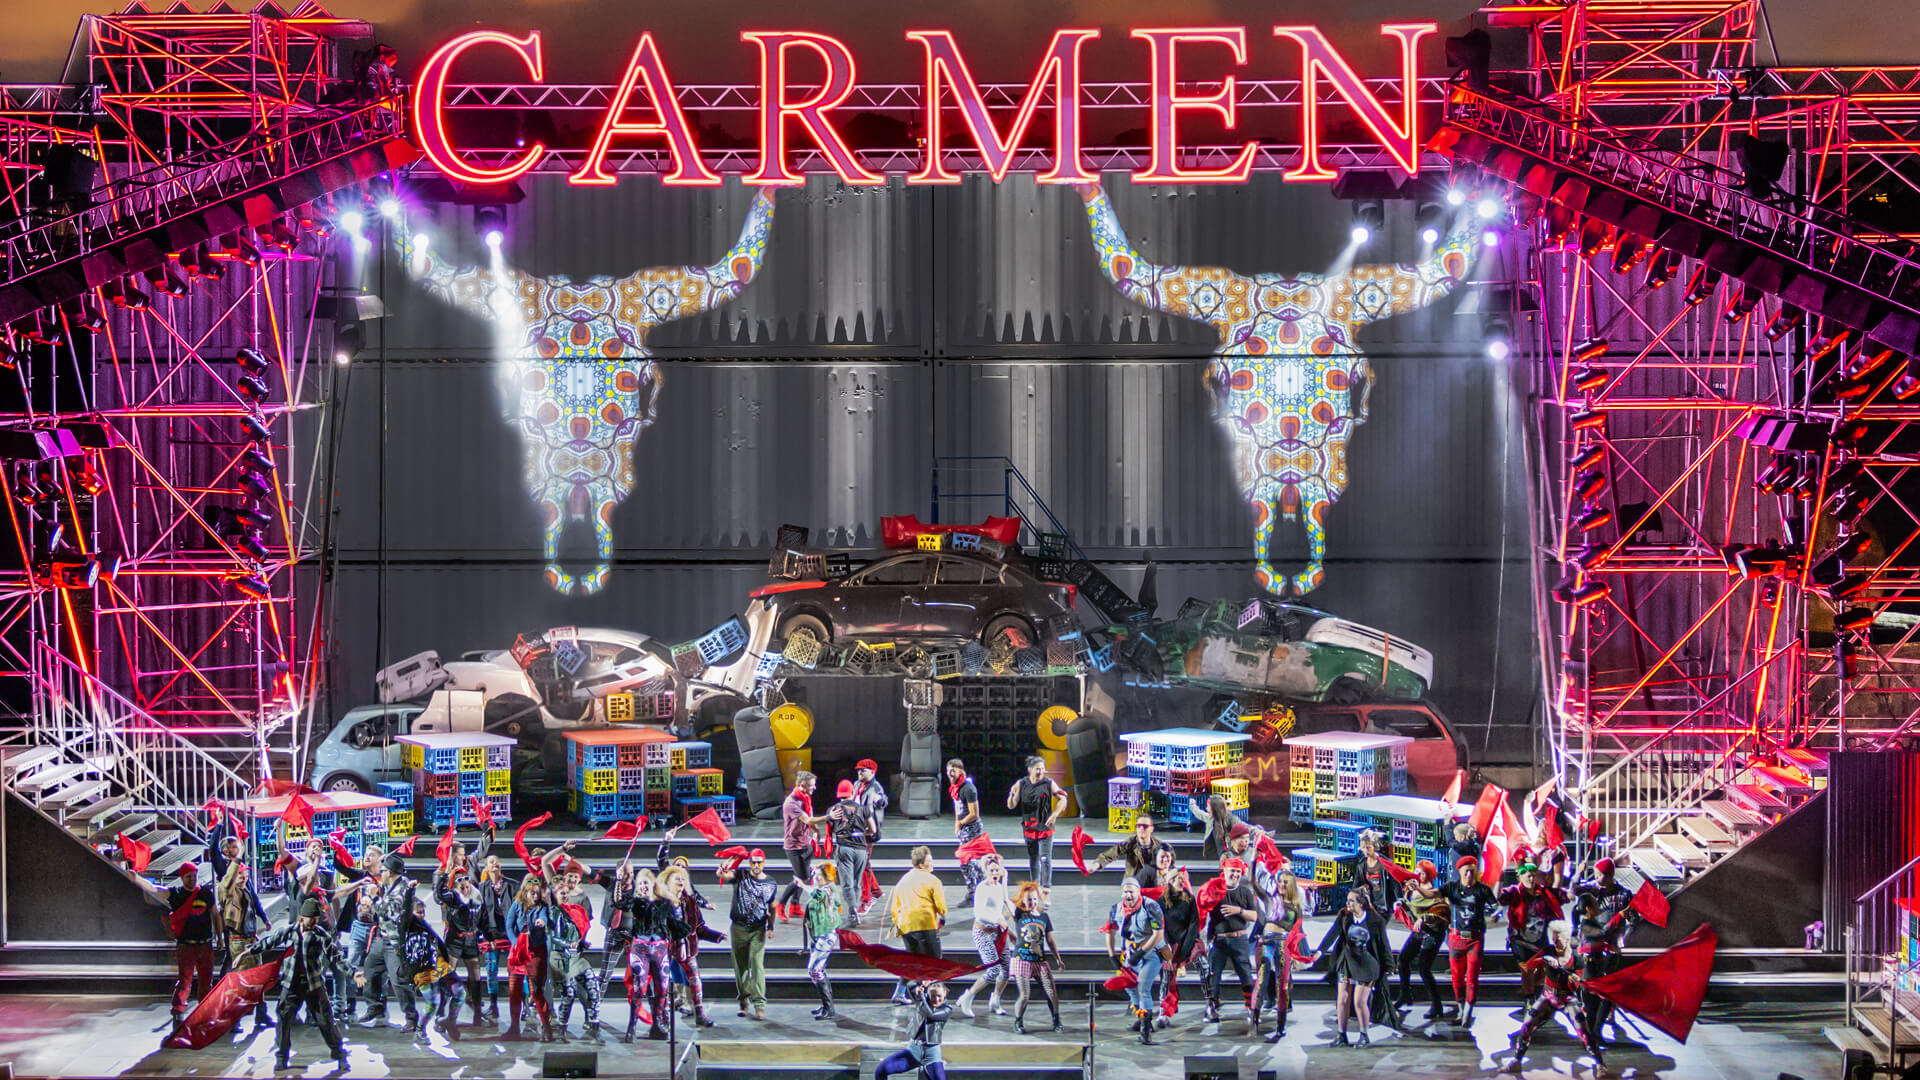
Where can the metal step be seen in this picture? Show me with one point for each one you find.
(1756, 799)
(1654, 867)
(160, 839)
(1735, 817)
(163, 866)
(1681, 851)
(131, 825)
(50, 776)
(1708, 833)
(27, 759)
(89, 818)
(80, 792)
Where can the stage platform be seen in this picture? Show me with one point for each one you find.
(103, 1036)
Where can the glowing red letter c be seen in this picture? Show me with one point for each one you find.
(430, 87)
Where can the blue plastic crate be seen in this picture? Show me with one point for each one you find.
(630, 804)
(1138, 772)
(602, 757)
(442, 759)
(265, 828)
(600, 808)
(473, 783)
(1242, 814)
(400, 793)
(1337, 835)
(1397, 783)
(438, 811)
(1187, 757)
(373, 822)
(728, 637)
(324, 822)
(1179, 811)
(354, 843)
(1300, 808)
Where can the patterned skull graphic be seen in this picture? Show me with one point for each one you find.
(1286, 369)
(581, 386)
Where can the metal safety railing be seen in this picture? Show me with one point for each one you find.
(171, 190)
(161, 771)
(1878, 974)
(1679, 183)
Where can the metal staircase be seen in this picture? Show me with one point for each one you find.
(961, 484)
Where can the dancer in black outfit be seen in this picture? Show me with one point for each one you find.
(1357, 944)
(311, 954)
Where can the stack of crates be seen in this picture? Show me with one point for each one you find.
(1125, 794)
(1415, 829)
(691, 779)
(1907, 960)
(618, 774)
(1178, 765)
(452, 769)
(354, 817)
(1339, 765)
(400, 817)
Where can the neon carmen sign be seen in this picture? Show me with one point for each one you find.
(805, 76)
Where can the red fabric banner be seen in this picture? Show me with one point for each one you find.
(297, 814)
(405, 849)
(341, 856)
(916, 967)
(1651, 904)
(1080, 839)
(235, 995)
(976, 848)
(1665, 990)
(520, 840)
(708, 824)
(627, 830)
(139, 856)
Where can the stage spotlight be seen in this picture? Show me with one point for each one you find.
(1589, 379)
(251, 387)
(1780, 473)
(1784, 320)
(251, 361)
(1762, 162)
(421, 240)
(1627, 252)
(1498, 335)
(491, 223)
(1560, 222)
(1742, 304)
(1569, 591)
(1908, 384)
(1847, 505)
(1590, 458)
(1863, 363)
(1851, 548)
(1593, 517)
(348, 340)
(1758, 562)
(1429, 215)
(251, 546)
(249, 518)
(168, 280)
(1490, 238)
(1593, 237)
(1456, 197)
(1824, 346)
(1701, 285)
(1586, 352)
(1488, 208)
(256, 429)
(255, 486)
(1843, 651)
(253, 458)
(353, 221)
(9, 355)
(245, 253)
(1662, 268)
(1588, 484)
(90, 317)
(1369, 219)
(251, 587)
(389, 207)
(1588, 418)
(1849, 586)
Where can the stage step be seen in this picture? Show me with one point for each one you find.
(1736, 818)
(129, 825)
(87, 819)
(163, 866)
(47, 777)
(65, 799)
(1681, 851)
(1757, 800)
(19, 761)
(1708, 833)
(1654, 867)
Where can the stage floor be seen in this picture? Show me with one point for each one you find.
(74, 1036)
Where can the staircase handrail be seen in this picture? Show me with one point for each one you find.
(1685, 184)
(1012, 471)
(218, 780)
(148, 197)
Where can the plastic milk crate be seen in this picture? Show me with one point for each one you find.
(631, 804)
(1236, 792)
(499, 782)
(632, 756)
(499, 757)
(722, 806)
(1120, 818)
(400, 824)
(657, 778)
(1124, 792)
(1300, 807)
(631, 779)
(658, 755)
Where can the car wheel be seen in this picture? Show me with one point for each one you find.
(811, 624)
(346, 781)
(1018, 632)
(1347, 690)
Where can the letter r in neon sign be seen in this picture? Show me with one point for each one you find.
(1401, 140)
(775, 108)
(431, 87)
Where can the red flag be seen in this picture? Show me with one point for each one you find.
(215, 813)
(138, 855)
(287, 862)
(1155, 893)
(731, 858)
(341, 856)
(1269, 854)
(579, 916)
(1651, 904)
(1295, 945)
(708, 824)
(482, 813)
(1400, 916)
(297, 814)
(1502, 836)
(1171, 1003)
(1397, 872)
(1080, 839)
(1127, 979)
(916, 967)
(624, 830)
(443, 851)
(1210, 896)
(1484, 807)
(235, 995)
(520, 840)
(1665, 990)
(1452, 795)
(976, 848)
(406, 847)
(272, 789)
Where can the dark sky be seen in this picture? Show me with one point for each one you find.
(587, 41)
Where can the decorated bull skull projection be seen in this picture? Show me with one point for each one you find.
(1286, 368)
(580, 386)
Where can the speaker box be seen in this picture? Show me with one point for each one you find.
(570, 1063)
(1212, 1067)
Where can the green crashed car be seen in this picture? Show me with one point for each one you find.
(1285, 650)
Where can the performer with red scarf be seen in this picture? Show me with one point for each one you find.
(1531, 906)
(797, 822)
(1472, 904)
(1556, 970)
(1426, 910)
(1231, 908)
(966, 820)
(1602, 915)
(191, 910)
(872, 794)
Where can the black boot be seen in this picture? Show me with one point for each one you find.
(493, 1005)
(656, 1032)
(633, 1021)
(282, 1062)
(1146, 1028)
(1212, 1015)
(825, 1011)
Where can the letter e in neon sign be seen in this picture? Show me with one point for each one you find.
(688, 169)
(1169, 102)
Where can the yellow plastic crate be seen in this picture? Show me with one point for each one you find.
(400, 823)
(1120, 818)
(500, 782)
(712, 781)
(1217, 756)
(929, 541)
(1236, 792)
(1324, 871)
(573, 801)
(600, 781)
(1299, 782)
(619, 708)
(677, 762)
(473, 758)
(413, 756)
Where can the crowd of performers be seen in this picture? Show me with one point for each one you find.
(359, 935)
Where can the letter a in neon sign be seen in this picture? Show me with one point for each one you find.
(688, 169)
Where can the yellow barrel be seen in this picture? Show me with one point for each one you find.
(791, 762)
(1053, 727)
(792, 726)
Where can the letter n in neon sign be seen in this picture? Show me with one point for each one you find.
(1321, 58)
(1061, 65)
(688, 169)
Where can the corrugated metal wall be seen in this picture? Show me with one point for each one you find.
(1873, 829)
(891, 326)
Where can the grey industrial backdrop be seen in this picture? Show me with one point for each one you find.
(893, 327)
